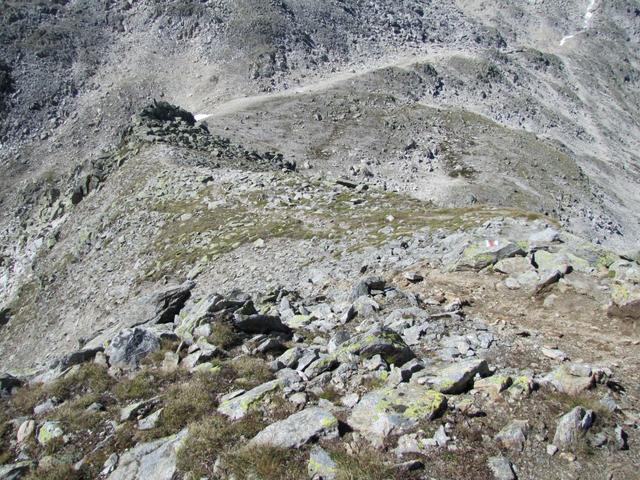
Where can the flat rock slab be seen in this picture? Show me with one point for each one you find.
(238, 407)
(571, 381)
(392, 411)
(130, 346)
(458, 378)
(299, 429)
(153, 460)
(321, 466)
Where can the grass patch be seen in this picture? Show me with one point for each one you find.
(251, 371)
(366, 464)
(211, 437)
(87, 378)
(224, 336)
(145, 384)
(267, 463)
(185, 403)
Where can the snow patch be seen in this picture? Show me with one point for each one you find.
(201, 116)
(591, 8)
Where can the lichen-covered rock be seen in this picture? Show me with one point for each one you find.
(202, 311)
(130, 346)
(625, 301)
(49, 431)
(238, 407)
(299, 429)
(479, 256)
(378, 341)
(571, 381)
(321, 466)
(153, 460)
(493, 385)
(458, 377)
(393, 411)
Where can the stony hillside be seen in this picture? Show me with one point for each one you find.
(328, 240)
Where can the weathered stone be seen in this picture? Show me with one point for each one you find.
(14, 471)
(392, 411)
(479, 256)
(563, 380)
(458, 378)
(514, 435)
(501, 468)
(8, 383)
(150, 421)
(571, 426)
(321, 466)
(299, 429)
(49, 431)
(138, 409)
(25, 431)
(201, 312)
(379, 341)
(130, 346)
(257, 323)
(239, 406)
(366, 285)
(159, 307)
(493, 385)
(621, 438)
(153, 460)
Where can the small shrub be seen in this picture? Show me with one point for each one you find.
(224, 336)
(55, 472)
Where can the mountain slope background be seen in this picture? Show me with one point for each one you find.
(490, 146)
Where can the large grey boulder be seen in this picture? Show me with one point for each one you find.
(458, 378)
(571, 426)
(365, 286)
(130, 346)
(478, 256)
(514, 435)
(158, 307)
(378, 341)
(248, 320)
(14, 471)
(237, 407)
(321, 466)
(394, 411)
(501, 468)
(572, 379)
(153, 460)
(299, 429)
